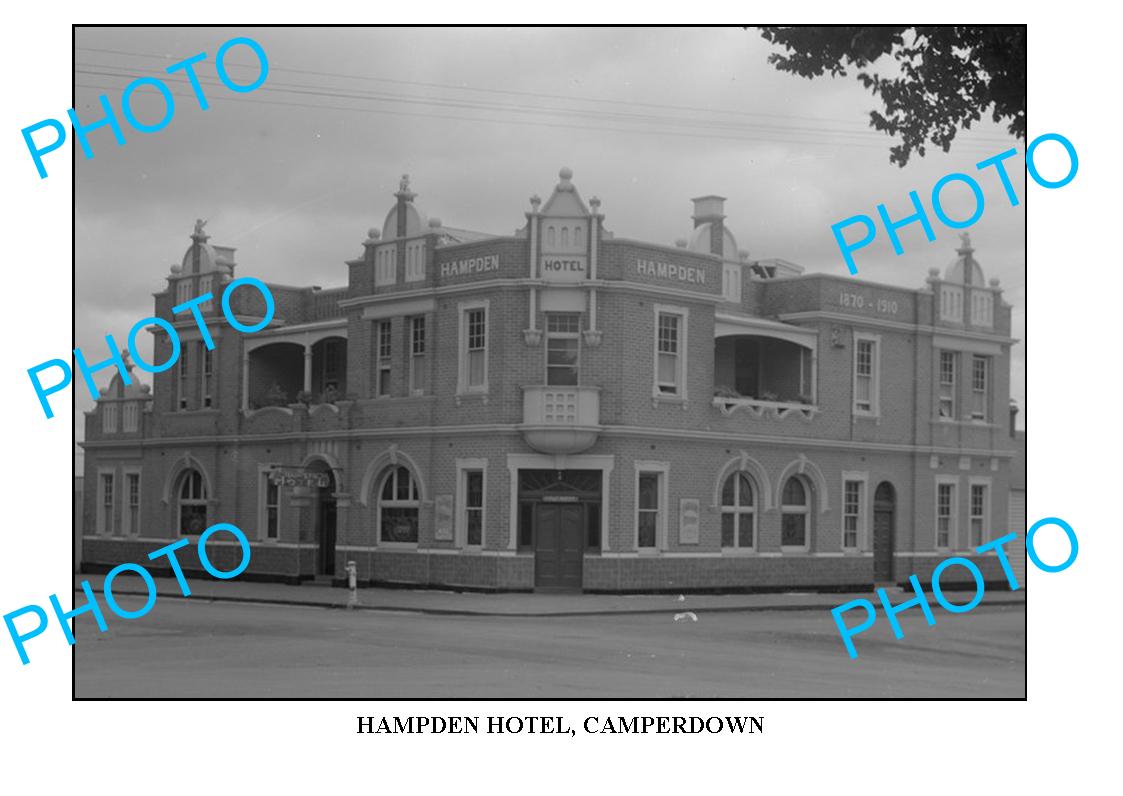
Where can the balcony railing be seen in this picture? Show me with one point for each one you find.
(760, 408)
(561, 420)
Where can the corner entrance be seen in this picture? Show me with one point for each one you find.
(558, 549)
(559, 519)
(884, 510)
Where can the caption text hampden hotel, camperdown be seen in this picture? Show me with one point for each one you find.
(559, 725)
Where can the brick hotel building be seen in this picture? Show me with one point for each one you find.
(562, 408)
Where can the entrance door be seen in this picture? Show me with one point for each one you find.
(884, 507)
(325, 532)
(559, 533)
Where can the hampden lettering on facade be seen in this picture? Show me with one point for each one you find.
(561, 408)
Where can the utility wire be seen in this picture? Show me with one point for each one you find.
(536, 95)
(98, 70)
(524, 122)
(507, 107)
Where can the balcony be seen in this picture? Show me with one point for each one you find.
(769, 374)
(560, 420)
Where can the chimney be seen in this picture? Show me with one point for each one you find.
(711, 210)
(1013, 417)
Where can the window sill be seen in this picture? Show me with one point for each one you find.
(381, 399)
(739, 552)
(649, 552)
(396, 546)
(795, 550)
(872, 416)
(951, 421)
(666, 398)
(480, 395)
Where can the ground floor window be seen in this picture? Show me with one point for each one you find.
(795, 514)
(978, 513)
(270, 497)
(105, 511)
(192, 503)
(474, 507)
(738, 514)
(592, 526)
(851, 513)
(647, 510)
(526, 525)
(945, 517)
(398, 507)
(132, 505)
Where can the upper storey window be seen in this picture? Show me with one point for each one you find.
(670, 352)
(563, 348)
(866, 375)
(980, 387)
(949, 364)
(473, 348)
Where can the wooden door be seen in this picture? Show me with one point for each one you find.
(884, 508)
(559, 533)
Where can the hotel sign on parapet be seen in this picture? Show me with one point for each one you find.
(474, 265)
(680, 273)
(564, 267)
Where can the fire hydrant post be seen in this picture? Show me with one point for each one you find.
(352, 584)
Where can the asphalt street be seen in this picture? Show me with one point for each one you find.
(212, 649)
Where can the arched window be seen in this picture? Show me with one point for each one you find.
(738, 513)
(565, 236)
(795, 514)
(397, 506)
(192, 503)
(550, 235)
(578, 237)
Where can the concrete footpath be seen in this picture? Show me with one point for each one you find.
(452, 603)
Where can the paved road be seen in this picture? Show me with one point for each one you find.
(189, 649)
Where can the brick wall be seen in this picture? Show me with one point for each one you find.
(359, 439)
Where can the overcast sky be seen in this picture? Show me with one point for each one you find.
(481, 119)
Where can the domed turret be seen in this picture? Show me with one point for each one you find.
(405, 219)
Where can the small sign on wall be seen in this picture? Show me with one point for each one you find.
(688, 521)
(444, 517)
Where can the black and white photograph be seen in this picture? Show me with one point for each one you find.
(527, 362)
(586, 397)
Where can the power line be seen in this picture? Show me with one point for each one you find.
(538, 111)
(512, 92)
(523, 122)
(506, 107)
